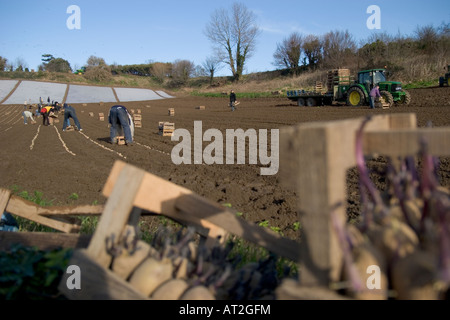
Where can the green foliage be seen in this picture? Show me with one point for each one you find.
(73, 196)
(58, 65)
(32, 274)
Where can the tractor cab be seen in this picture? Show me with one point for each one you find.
(370, 78)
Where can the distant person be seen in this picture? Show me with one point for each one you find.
(232, 100)
(28, 115)
(120, 120)
(69, 112)
(374, 93)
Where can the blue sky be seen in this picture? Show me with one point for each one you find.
(138, 31)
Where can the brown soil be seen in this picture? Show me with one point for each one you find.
(51, 169)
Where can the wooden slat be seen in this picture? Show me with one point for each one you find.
(43, 240)
(163, 197)
(27, 209)
(97, 283)
(80, 210)
(406, 142)
(116, 213)
(315, 159)
(5, 194)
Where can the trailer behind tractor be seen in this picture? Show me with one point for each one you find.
(340, 88)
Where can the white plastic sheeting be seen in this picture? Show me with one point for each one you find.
(31, 91)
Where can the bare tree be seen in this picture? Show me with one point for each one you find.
(211, 65)
(182, 70)
(289, 51)
(94, 61)
(312, 48)
(161, 71)
(338, 49)
(97, 70)
(233, 36)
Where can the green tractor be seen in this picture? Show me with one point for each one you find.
(444, 80)
(357, 93)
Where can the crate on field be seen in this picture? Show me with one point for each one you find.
(171, 112)
(120, 140)
(166, 129)
(137, 119)
(101, 116)
(200, 108)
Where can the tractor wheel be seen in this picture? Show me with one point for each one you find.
(406, 99)
(355, 97)
(388, 98)
(311, 102)
(301, 102)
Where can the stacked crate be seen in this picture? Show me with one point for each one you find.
(137, 118)
(336, 77)
(166, 129)
(101, 116)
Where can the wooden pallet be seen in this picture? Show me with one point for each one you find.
(316, 157)
(166, 129)
(130, 191)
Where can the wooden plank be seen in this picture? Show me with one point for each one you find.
(81, 210)
(27, 209)
(5, 194)
(116, 213)
(43, 240)
(406, 142)
(97, 283)
(316, 157)
(163, 197)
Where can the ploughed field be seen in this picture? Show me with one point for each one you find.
(43, 158)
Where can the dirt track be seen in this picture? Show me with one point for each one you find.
(84, 166)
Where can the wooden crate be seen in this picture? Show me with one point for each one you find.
(315, 160)
(120, 140)
(318, 87)
(337, 76)
(171, 112)
(200, 107)
(101, 116)
(137, 119)
(166, 129)
(91, 114)
(130, 191)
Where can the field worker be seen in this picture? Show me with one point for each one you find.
(121, 121)
(232, 100)
(69, 112)
(374, 93)
(28, 115)
(45, 111)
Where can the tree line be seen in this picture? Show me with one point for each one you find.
(233, 34)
